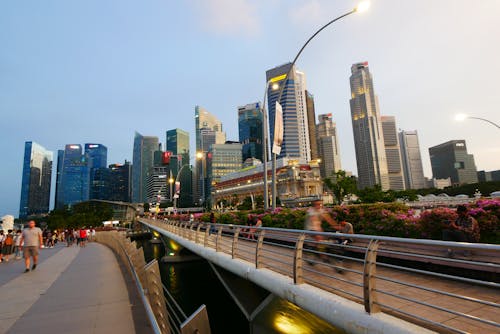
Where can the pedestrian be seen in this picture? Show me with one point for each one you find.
(464, 229)
(2, 239)
(315, 216)
(213, 228)
(8, 245)
(83, 236)
(31, 241)
(17, 244)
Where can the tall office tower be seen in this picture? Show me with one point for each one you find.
(96, 155)
(250, 131)
(412, 160)
(59, 194)
(208, 131)
(393, 153)
(178, 144)
(367, 128)
(35, 186)
(451, 160)
(328, 146)
(222, 159)
(120, 182)
(75, 178)
(157, 185)
(293, 102)
(144, 148)
(311, 125)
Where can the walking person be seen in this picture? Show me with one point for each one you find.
(17, 244)
(2, 239)
(314, 218)
(33, 241)
(8, 245)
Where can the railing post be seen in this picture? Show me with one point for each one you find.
(218, 238)
(207, 231)
(191, 231)
(297, 260)
(258, 249)
(197, 232)
(235, 242)
(369, 271)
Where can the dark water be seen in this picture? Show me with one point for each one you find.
(195, 283)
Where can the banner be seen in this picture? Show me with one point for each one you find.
(177, 187)
(166, 157)
(278, 129)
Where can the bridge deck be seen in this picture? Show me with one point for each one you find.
(405, 299)
(72, 291)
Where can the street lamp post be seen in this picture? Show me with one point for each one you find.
(199, 156)
(463, 117)
(359, 8)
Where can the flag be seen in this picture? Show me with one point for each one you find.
(278, 129)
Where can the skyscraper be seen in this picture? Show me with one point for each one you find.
(293, 101)
(311, 125)
(208, 132)
(222, 159)
(143, 155)
(367, 128)
(328, 146)
(250, 131)
(74, 177)
(35, 186)
(393, 153)
(412, 160)
(178, 144)
(97, 155)
(451, 160)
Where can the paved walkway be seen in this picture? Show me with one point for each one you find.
(73, 290)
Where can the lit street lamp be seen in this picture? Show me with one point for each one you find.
(199, 156)
(463, 117)
(361, 7)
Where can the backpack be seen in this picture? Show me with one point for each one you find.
(9, 241)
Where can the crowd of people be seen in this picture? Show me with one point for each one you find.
(25, 243)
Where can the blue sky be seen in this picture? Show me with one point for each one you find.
(98, 70)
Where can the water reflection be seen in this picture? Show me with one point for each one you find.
(194, 283)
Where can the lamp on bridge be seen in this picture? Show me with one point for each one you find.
(463, 117)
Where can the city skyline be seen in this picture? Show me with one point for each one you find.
(124, 77)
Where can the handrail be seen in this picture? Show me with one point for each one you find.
(295, 253)
(145, 301)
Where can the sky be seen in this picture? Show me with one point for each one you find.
(96, 71)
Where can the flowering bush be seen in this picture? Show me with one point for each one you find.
(388, 219)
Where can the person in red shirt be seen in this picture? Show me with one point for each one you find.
(83, 236)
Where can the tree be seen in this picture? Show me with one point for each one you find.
(341, 185)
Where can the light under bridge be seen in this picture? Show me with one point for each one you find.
(350, 286)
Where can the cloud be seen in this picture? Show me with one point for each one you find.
(307, 12)
(228, 17)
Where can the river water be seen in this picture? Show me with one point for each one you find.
(195, 283)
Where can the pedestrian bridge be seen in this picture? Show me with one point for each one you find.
(374, 285)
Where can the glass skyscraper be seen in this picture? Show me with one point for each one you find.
(367, 129)
(143, 158)
(36, 179)
(393, 153)
(250, 131)
(293, 101)
(451, 160)
(178, 144)
(74, 183)
(412, 160)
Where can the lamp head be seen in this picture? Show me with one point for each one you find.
(199, 155)
(460, 117)
(362, 6)
(275, 86)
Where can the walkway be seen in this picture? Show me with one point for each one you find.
(73, 290)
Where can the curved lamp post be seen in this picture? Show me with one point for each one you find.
(362, 6)
(463, 117)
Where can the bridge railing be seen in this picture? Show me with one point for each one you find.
(393, 275)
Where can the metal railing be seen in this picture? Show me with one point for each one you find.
(413, 279)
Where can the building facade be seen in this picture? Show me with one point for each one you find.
(451, 160)
(178, 144)
(298, 182)
(328, 146)
(36, 180)
(311, 125)
(393, 153)
(296, 142)
(142, 162)
(113, 183)
(250, 131)
(222, 159)
(367, 128)
(412, 160)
